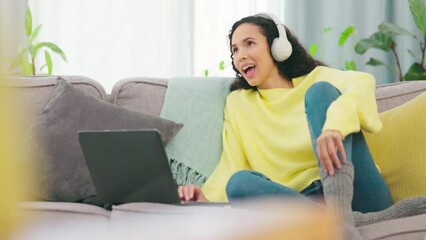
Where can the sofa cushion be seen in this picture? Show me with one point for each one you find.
(30, 94)
(394, 94)
(199, 104)
(140, 94)
(53, 144)
(397, 229)
(398, 149)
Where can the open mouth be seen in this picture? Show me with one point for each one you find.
(249, 70)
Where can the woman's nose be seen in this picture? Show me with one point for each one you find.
(241, 55)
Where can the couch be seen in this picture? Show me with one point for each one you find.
(79, 220)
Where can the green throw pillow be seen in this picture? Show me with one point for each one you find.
(198, 103)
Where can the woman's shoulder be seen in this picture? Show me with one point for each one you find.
(239, 96)
(241, 93)
(322, 73)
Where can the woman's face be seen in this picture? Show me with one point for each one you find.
(252, 58)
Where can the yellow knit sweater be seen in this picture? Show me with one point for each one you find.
(267, 130)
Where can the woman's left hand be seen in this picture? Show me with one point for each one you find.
(328, 144)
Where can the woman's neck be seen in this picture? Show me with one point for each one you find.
(277, 82)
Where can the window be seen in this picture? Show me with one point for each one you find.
(110, 40)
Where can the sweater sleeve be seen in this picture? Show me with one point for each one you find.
(356, 108)
(232, 160)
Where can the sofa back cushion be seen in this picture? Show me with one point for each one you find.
(144, 95)
(392, 95)
(31, 93)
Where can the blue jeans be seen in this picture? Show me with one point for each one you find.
(371, 193)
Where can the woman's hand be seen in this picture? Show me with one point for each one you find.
(191, 193)
(328, 144)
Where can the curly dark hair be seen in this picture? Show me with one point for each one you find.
(298, 64)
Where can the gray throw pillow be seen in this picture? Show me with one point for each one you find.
(53, 146)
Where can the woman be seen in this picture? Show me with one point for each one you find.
(292, 128)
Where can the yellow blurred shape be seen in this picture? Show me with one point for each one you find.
(11, 181)
(292, 220)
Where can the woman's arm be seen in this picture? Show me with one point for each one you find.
(356, 108)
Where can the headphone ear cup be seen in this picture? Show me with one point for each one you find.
(281, 49)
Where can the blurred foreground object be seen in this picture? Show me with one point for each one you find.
(260, 219)
(10, 173)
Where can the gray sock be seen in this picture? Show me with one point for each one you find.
(404, 208)
(338, 193)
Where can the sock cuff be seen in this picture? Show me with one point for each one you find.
(347, 168)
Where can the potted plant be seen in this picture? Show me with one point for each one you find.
(383, 40)
(27, 54)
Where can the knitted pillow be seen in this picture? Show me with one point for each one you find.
(53, 146)
(198, 103)
(399, 148)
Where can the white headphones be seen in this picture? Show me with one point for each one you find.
(281, 48)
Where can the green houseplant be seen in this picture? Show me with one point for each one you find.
(221, 68)
(383, 40)
(343, 39)
(27, 54)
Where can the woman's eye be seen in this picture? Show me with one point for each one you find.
(250, 44)
(234, 50)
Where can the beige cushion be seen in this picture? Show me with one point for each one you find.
(397, 229)
(34, 92)
(140, 94)
(392, 95)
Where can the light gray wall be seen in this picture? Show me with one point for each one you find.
(306, 17)
(12, 18)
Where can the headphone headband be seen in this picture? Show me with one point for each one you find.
(281, 48)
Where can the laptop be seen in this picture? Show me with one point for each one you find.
(130, 166)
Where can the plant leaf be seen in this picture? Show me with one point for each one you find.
(415, 72)
(378, 40)
(42, 67)
(28, 22)
(346, 34)
(389, 28)
(27, 68)
(376, 62)
(222, 65)
(363, 45)
(206, 73)
(313, 50)
(48, 62)
(34, 34)
(418, 10)
(350, 65)
(18, 59)
(325, 30)
(52, 47)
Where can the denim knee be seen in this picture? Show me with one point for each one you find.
(238, 181)
(321, 93)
